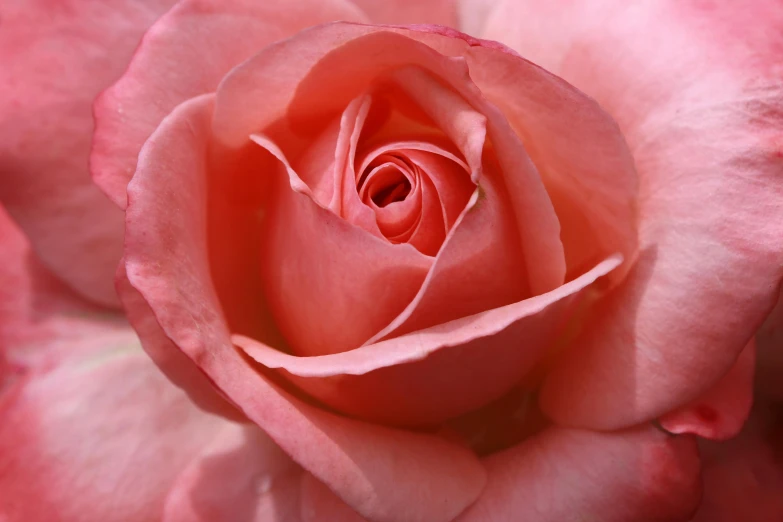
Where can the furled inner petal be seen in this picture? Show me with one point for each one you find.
(392, 170)
(392, 190)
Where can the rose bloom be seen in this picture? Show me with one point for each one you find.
(397, 261)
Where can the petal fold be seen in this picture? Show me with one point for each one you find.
(720, 413)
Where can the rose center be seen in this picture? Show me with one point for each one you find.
(391, 188)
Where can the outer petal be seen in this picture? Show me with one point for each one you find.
(241, 475)
(743, 477)
(56, 59)
(195, 31)
(383, 474)
(41, 320)
(639, 475)
(86, 412)
(696, 89)
(265, 485)
(104, 421)
(441, 12)
(721, 411)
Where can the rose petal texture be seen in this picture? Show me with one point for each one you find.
(696, 88)
(84, 411)
(56, 59)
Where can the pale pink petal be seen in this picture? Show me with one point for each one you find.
(743, 477)
(241, 475)
(41, 319)
(441, 12)
(383, 474)
(100, 437)
(722, 410)
(434, 374)
(769, 365)
(157, 80)
(472, 14)
(639, 475)
(696, 89)
(56, 59)
(90, 428)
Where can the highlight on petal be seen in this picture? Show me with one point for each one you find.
(379, 472)
(99, 420)
(203, 31)
(55, 61)
(720, 412)
(639, 474)
(699, 104)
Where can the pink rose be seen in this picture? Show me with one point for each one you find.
(441, 280)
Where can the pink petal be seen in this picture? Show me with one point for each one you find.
(200, 31)
(104, 422)
(640, 475)
(580, 153)
(743, 477)
(722, 410)
(56, 59)
(434, 374)
(241, 475)
(383, 474)
(696, 89)
(409, 11)
(335, 269)
(88, 412)
(345, 200)
(174, 364)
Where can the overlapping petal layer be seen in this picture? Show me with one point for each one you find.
(696, 89)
